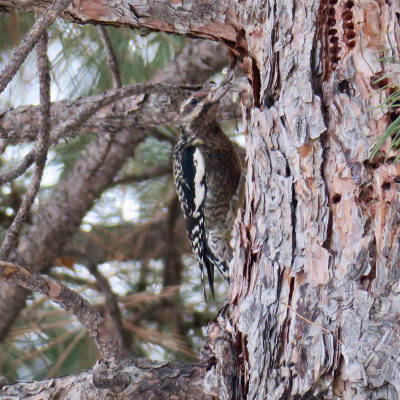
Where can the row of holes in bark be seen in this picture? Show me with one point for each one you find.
(348, 29)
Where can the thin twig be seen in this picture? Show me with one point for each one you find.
(87, 315)
(112, 60)
(311, 322)
(103, 154)
(111, 304)
(42, 146)
(3, 139)
(29, 41)
(150, 174)
(20, 169)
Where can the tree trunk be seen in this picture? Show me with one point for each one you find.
(314, 292)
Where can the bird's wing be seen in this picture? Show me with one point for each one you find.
(192, 191)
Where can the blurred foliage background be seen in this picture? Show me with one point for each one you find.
(163, 311)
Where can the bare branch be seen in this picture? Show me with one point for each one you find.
(111, 57)
(215, 23)
(88, 316)
(155, 172)
(89, 110)
(144, 380)
(128, 107)
(42, 146)
(133, 108)
(44, 83)
(20, 169)
(111, 305)
(29, 41)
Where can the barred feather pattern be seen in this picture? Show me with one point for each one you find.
(189, 177)
(206, 175)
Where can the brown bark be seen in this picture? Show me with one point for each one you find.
(314, 294)
(211, 20)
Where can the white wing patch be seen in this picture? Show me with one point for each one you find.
(199, 181)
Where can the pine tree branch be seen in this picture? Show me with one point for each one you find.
(112, 60)
(141, 380)
(132, 107)
(58, 218)
(124, 106)
(111, 304)
(152, 173)
(216, 22)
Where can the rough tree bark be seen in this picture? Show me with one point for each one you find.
(315, 292)
(314, 295)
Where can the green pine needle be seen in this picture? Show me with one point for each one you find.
(391, 101)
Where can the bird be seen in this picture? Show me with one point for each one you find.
(207, 171)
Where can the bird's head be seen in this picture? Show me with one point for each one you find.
(202, 107)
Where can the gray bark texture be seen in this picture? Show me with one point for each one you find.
(168, 381)
(314, 294)
(315, 291)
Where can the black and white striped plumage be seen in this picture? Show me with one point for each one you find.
(207, 171)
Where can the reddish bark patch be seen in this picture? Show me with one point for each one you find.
(306, 150)
(159, 25)
(95, 10)
(54, 290)
(218, 31)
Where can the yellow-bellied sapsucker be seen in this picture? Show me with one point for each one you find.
(207, 170)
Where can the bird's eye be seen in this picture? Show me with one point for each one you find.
(193, 101)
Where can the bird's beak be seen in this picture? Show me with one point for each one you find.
(217, 94)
